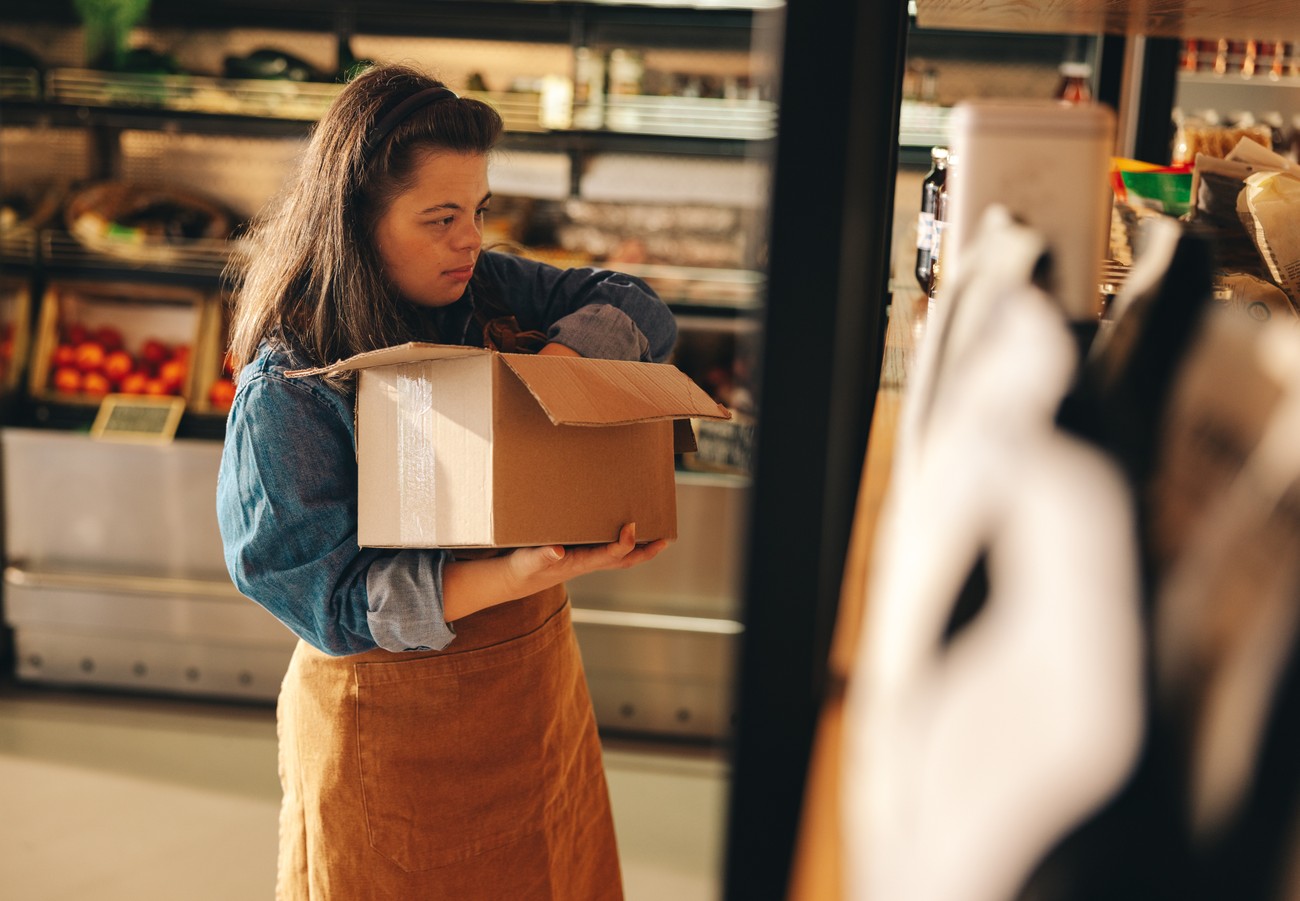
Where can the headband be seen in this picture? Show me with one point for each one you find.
(397, 114)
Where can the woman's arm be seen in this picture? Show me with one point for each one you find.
(472, 585)
(286, 506)
(597, 313)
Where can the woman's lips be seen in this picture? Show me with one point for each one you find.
(462, 274)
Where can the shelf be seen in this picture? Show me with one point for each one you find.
(687, 287)
(649, 22)
(1262, 19)
(19, 84)
(696, 117)
(209, 105)
(923, 125)
(1208, 79)
(198, 260)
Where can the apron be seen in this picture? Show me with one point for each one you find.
(469, 773)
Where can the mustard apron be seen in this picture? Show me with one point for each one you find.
(470, 773)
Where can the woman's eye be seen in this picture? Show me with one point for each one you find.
(481, 212)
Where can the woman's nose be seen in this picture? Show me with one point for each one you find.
(471, 234)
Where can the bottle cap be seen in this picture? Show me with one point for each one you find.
(1076, 70)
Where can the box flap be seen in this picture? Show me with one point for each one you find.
(411, 352)
(579, 391)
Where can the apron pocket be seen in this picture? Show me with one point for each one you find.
(451, 750)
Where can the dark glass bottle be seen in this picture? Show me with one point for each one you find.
(925, 221)
(936, 250)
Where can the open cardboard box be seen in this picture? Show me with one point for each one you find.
(467, 447)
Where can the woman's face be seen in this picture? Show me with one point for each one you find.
(430, 237)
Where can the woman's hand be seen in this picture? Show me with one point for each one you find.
(554, 564)
(472, 585)
(557, 350)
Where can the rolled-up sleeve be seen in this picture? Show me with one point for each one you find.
(405, 602)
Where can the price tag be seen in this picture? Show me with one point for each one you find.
(138, 418)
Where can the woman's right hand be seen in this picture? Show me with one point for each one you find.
(554, 564)
(472, 585)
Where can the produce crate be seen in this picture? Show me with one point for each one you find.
(213, 381)
(15, 316)
(97, 338)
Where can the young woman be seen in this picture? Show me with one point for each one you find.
(436, 735)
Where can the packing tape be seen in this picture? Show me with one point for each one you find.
(416, 466)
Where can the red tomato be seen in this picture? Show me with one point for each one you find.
(156, 387)
(90, 356)
(67, 380)
(222, 393)
(133, 383)
(74, 333)
(154, 353)
(117, 365)
(64, 355)
(172, 374)
(109, 337)
(95, 383)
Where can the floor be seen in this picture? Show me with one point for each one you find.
(111, 798)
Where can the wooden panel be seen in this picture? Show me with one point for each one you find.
(1235, 19)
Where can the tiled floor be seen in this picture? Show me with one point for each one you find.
(116, 798)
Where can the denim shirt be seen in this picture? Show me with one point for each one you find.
(287, 485)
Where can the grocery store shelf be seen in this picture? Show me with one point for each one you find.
(1275, 19)
(200, 258)
(738, 289)
(922, 125)
(19, 84)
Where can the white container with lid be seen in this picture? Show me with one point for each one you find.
(1049, 164)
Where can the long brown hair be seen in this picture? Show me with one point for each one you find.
(309, 273)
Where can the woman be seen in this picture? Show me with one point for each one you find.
(436, 735)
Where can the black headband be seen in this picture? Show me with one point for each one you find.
(398, 113)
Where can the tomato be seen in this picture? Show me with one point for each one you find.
(66, 379)
(109, 337)
(156, 387)
(154, 353)
(64, 355)
(74, 333)
(95, 383)
(133, 383)
(222, 393)
(90, 356)
(118, 365)
(172, 374)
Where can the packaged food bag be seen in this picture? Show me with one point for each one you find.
(1269, 206)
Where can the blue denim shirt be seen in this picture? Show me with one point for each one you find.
(287, 485)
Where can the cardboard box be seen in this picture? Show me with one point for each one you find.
(466, 447)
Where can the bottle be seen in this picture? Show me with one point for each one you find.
(930, 188)
(1074, 85)
(936, 251)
